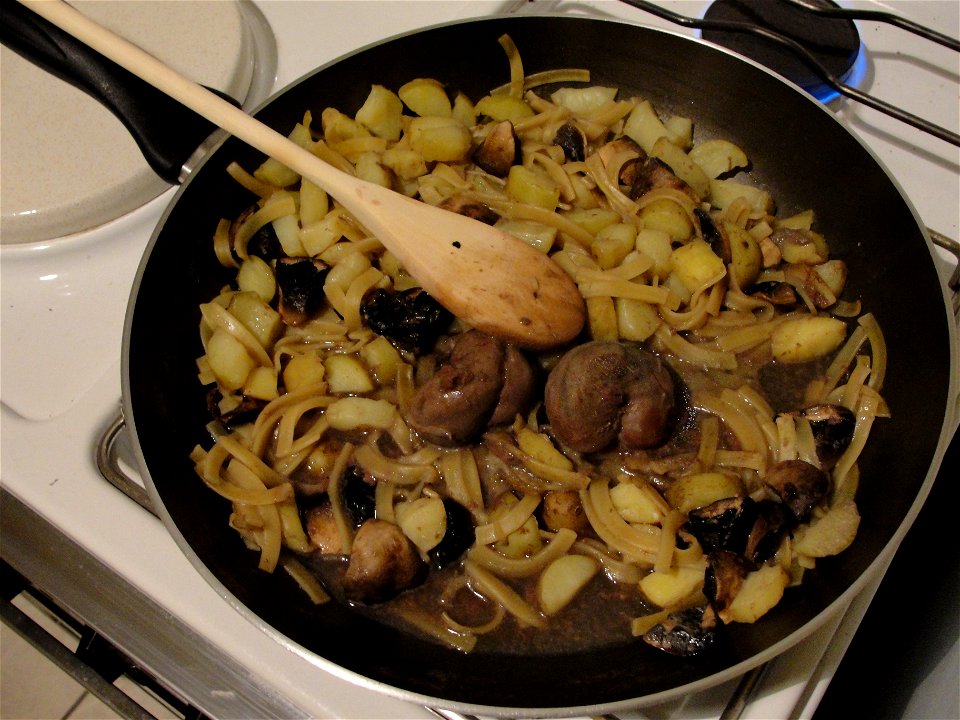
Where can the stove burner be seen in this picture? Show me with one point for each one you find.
(835, 43)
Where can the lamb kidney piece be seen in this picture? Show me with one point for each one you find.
(606, 392)
(484, 382)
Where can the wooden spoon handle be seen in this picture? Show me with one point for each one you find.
(491, 280)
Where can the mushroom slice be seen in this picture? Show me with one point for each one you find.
(412, 319)
(383, 563)
(458, 537)
(645, 173)
(772, 521)
(573, 141)
(832, 427)
(724, 525)
(246, 412)
(714, 234)
(359, 495)
(470, 209)
(724, 577)
(301, 288)
(321, 526)
(684, 633)
(264, 243)
(775, 293)
(499, 151)
(799, 485)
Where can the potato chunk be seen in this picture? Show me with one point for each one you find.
(347, 374)
(423, 520)
(562, 580)
(668, 589)
(697, 266)
(381, 113)
(831, 534)
(700, 489)
(527, 186)
(441, 139)
(426, 96)
(807, 338)
(229, 360)
(761, 590)
(563, 509)
(717, 157)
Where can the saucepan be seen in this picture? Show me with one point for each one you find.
(799, 151)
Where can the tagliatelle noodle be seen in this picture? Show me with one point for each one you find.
(697, 354)
(488, 584)
(334, 490)
(399, 474)
(511, 520)
(447, 634)
(709, 439)
(305, 579)
(254, 185)
(490, 559)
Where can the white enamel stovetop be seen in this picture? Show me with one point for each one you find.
(63, 305)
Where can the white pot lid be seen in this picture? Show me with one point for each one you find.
(68, 165)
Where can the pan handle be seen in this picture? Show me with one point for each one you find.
(110, 464)
(166, 132)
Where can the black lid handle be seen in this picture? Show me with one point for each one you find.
(167, 132)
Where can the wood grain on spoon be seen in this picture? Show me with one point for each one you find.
(491, 280)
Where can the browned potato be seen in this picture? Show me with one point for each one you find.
(562, 509)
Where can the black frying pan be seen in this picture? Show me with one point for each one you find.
(799, 152)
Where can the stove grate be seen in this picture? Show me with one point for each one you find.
(828, 77)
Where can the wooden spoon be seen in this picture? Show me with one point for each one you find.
(493, 281)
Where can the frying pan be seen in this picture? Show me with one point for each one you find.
(799, 152)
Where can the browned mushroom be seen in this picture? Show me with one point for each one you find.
(484, 381)
(264, 243)
(246, 412)
(573, 141)
(714, 234)
(604, 392)
(741, 525)
(684, 633)
(322, 531)
(832, 427)
(411, 319)
(645, 173)
(799, 485)
(723, 525)
(458, 537)
(725, 574)
(775, 293)
(517, 387)
(470, 208)
(383, 563)
(300, 281)
(499, 151)
(772, 522)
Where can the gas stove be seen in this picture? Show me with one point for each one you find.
(112, 564)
